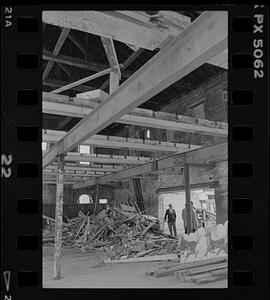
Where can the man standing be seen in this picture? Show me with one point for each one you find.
(194, 220)
(170, 215)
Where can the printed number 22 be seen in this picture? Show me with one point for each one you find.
(6, 161)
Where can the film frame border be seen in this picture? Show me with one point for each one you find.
(253, 223)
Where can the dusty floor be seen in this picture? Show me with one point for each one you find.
(84, 271)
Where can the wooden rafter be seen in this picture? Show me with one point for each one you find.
(56, 50)
(205, 38)
(126, 64)
(78, 63)
(78, 44)
(81, 81)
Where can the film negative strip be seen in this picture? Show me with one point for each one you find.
(199, 76)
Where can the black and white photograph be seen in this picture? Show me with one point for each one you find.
(135, 149)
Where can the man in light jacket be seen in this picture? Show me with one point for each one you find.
(194, 220)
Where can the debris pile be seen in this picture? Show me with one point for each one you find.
(119, 233)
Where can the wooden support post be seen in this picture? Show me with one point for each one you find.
(114, 81)
(188, 198)
(58, 217)
(97, 198)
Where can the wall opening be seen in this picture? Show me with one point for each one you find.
(84, 198)
(203, 201)
(86, 150)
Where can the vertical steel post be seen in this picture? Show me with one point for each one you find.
(97, 198)
(188, 198)
(58, 217)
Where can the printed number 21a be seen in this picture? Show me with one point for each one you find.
(5, 162)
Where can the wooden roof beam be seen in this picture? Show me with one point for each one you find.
(105, 158)
(205, 154)
(205, 38)
(79, 107)
(116, 142)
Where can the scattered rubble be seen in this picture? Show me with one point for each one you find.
(122, 232)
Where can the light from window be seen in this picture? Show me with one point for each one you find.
(44, 146)
(84, 149)
(148, 133)
(103, 201)
(84, 198)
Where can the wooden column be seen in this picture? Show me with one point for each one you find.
(188, 198)
(114, 81)
(97, 198)
(58, 217)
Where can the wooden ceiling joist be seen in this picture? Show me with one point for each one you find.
(116, 142)
(206, 154)
(76, 173)
(83, 168)
(205, 38)
(105, 159)
(79, 107)
(96, 168)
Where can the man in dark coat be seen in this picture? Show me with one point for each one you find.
(170, 215)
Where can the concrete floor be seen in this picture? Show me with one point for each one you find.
(81, 270)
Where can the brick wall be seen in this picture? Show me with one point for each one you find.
(49, 193)
(214, 96)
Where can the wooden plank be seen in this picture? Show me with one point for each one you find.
(203, 269)
(205, 154)
(185, 266)
(58, 217)
(81, 81)
(165, 257)
(147, 228)
(128, 207)
(204, 38)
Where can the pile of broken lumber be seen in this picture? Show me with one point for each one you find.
(200, 271)
(123, 233)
